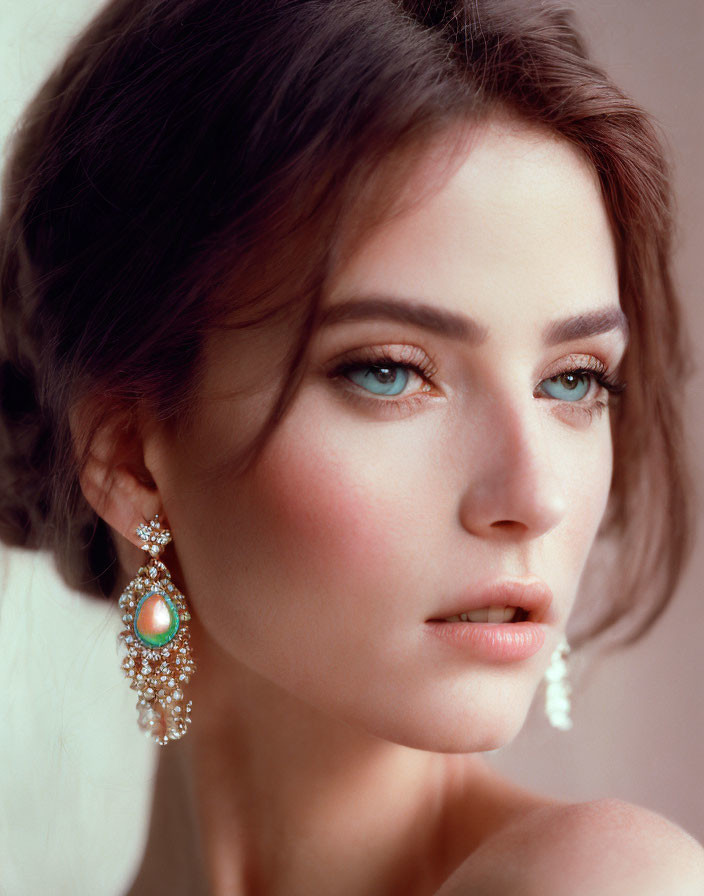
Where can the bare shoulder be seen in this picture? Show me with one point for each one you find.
(599, 848)
(610, 846)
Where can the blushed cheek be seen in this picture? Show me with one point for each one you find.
(323, 506)
(317, 526)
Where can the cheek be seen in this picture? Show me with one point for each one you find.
(588, 490)
(316, 527)
(338, 505)
(320, 509)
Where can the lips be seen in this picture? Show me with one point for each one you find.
(533, 596)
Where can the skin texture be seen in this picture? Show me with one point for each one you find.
(552, 852)
(328, 724)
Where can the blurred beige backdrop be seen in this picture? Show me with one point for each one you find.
(74, 772)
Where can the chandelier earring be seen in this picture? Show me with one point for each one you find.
(159, 662)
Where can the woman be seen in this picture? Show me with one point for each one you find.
(357, 316)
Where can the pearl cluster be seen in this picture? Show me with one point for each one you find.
(557, 691)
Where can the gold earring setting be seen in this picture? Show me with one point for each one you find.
(159, 661)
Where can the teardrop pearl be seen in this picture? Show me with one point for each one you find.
(156, 619)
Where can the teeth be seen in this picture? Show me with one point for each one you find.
(486, 614)
(496, 614)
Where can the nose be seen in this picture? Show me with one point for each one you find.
(514, 490)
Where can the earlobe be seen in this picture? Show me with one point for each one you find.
(113, 476)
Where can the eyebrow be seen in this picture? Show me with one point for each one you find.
(459, 326)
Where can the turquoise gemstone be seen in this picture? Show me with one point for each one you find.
(156, 619)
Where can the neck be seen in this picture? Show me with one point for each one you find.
(267, 795)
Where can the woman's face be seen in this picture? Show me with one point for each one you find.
(386, 496)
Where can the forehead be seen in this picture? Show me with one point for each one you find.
(519, 223)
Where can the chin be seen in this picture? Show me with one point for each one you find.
(482, 739)
(463, 732)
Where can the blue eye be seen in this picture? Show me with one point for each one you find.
(390, 380)
(376, 373)
(570, 385)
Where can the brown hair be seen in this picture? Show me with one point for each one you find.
(191, 164)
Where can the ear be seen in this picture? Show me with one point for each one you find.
(114, 478)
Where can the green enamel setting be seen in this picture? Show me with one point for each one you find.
(154, 639)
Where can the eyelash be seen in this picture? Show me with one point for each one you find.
(426, 369)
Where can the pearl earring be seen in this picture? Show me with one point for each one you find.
(159, 660)
(557, 691)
